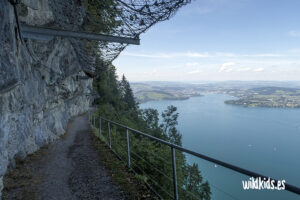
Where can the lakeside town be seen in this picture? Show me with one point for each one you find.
(249, 94)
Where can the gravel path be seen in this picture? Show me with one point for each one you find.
(70, 168)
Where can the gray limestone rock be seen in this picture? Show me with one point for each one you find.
(39, 86)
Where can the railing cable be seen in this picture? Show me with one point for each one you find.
(288, 187)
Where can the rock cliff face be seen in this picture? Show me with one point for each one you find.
(40, 84)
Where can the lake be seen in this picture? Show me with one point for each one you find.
(263, 140)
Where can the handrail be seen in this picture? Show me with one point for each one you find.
(288, 187)
(35, 32)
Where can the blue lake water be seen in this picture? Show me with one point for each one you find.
(264, 140)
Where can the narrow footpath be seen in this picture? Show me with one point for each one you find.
(68, 168)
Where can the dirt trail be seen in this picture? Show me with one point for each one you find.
(70, 169)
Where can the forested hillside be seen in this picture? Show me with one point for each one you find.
(116, 102)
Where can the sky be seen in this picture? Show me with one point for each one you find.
(217, 40)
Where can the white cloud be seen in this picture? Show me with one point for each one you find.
(227, 67)
(190, 54)
(243, 69)
(169, 55)
(294, 33)
(187, 65)
(192, 64)
(195, 72)
(261, 55)
(196, 55)
(259, 69)
(161, 55)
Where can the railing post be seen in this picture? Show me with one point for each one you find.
(128, 148)
(100, 126)
(174, 174)
(109, 138)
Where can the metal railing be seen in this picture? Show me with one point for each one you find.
(34, 32)
(92, 118)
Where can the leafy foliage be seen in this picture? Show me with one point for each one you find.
(150, 159)
(169, 126)
(127, 94)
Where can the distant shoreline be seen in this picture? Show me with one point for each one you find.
(175, 98)
(248, 104)
(237, 102)
(249, 95)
